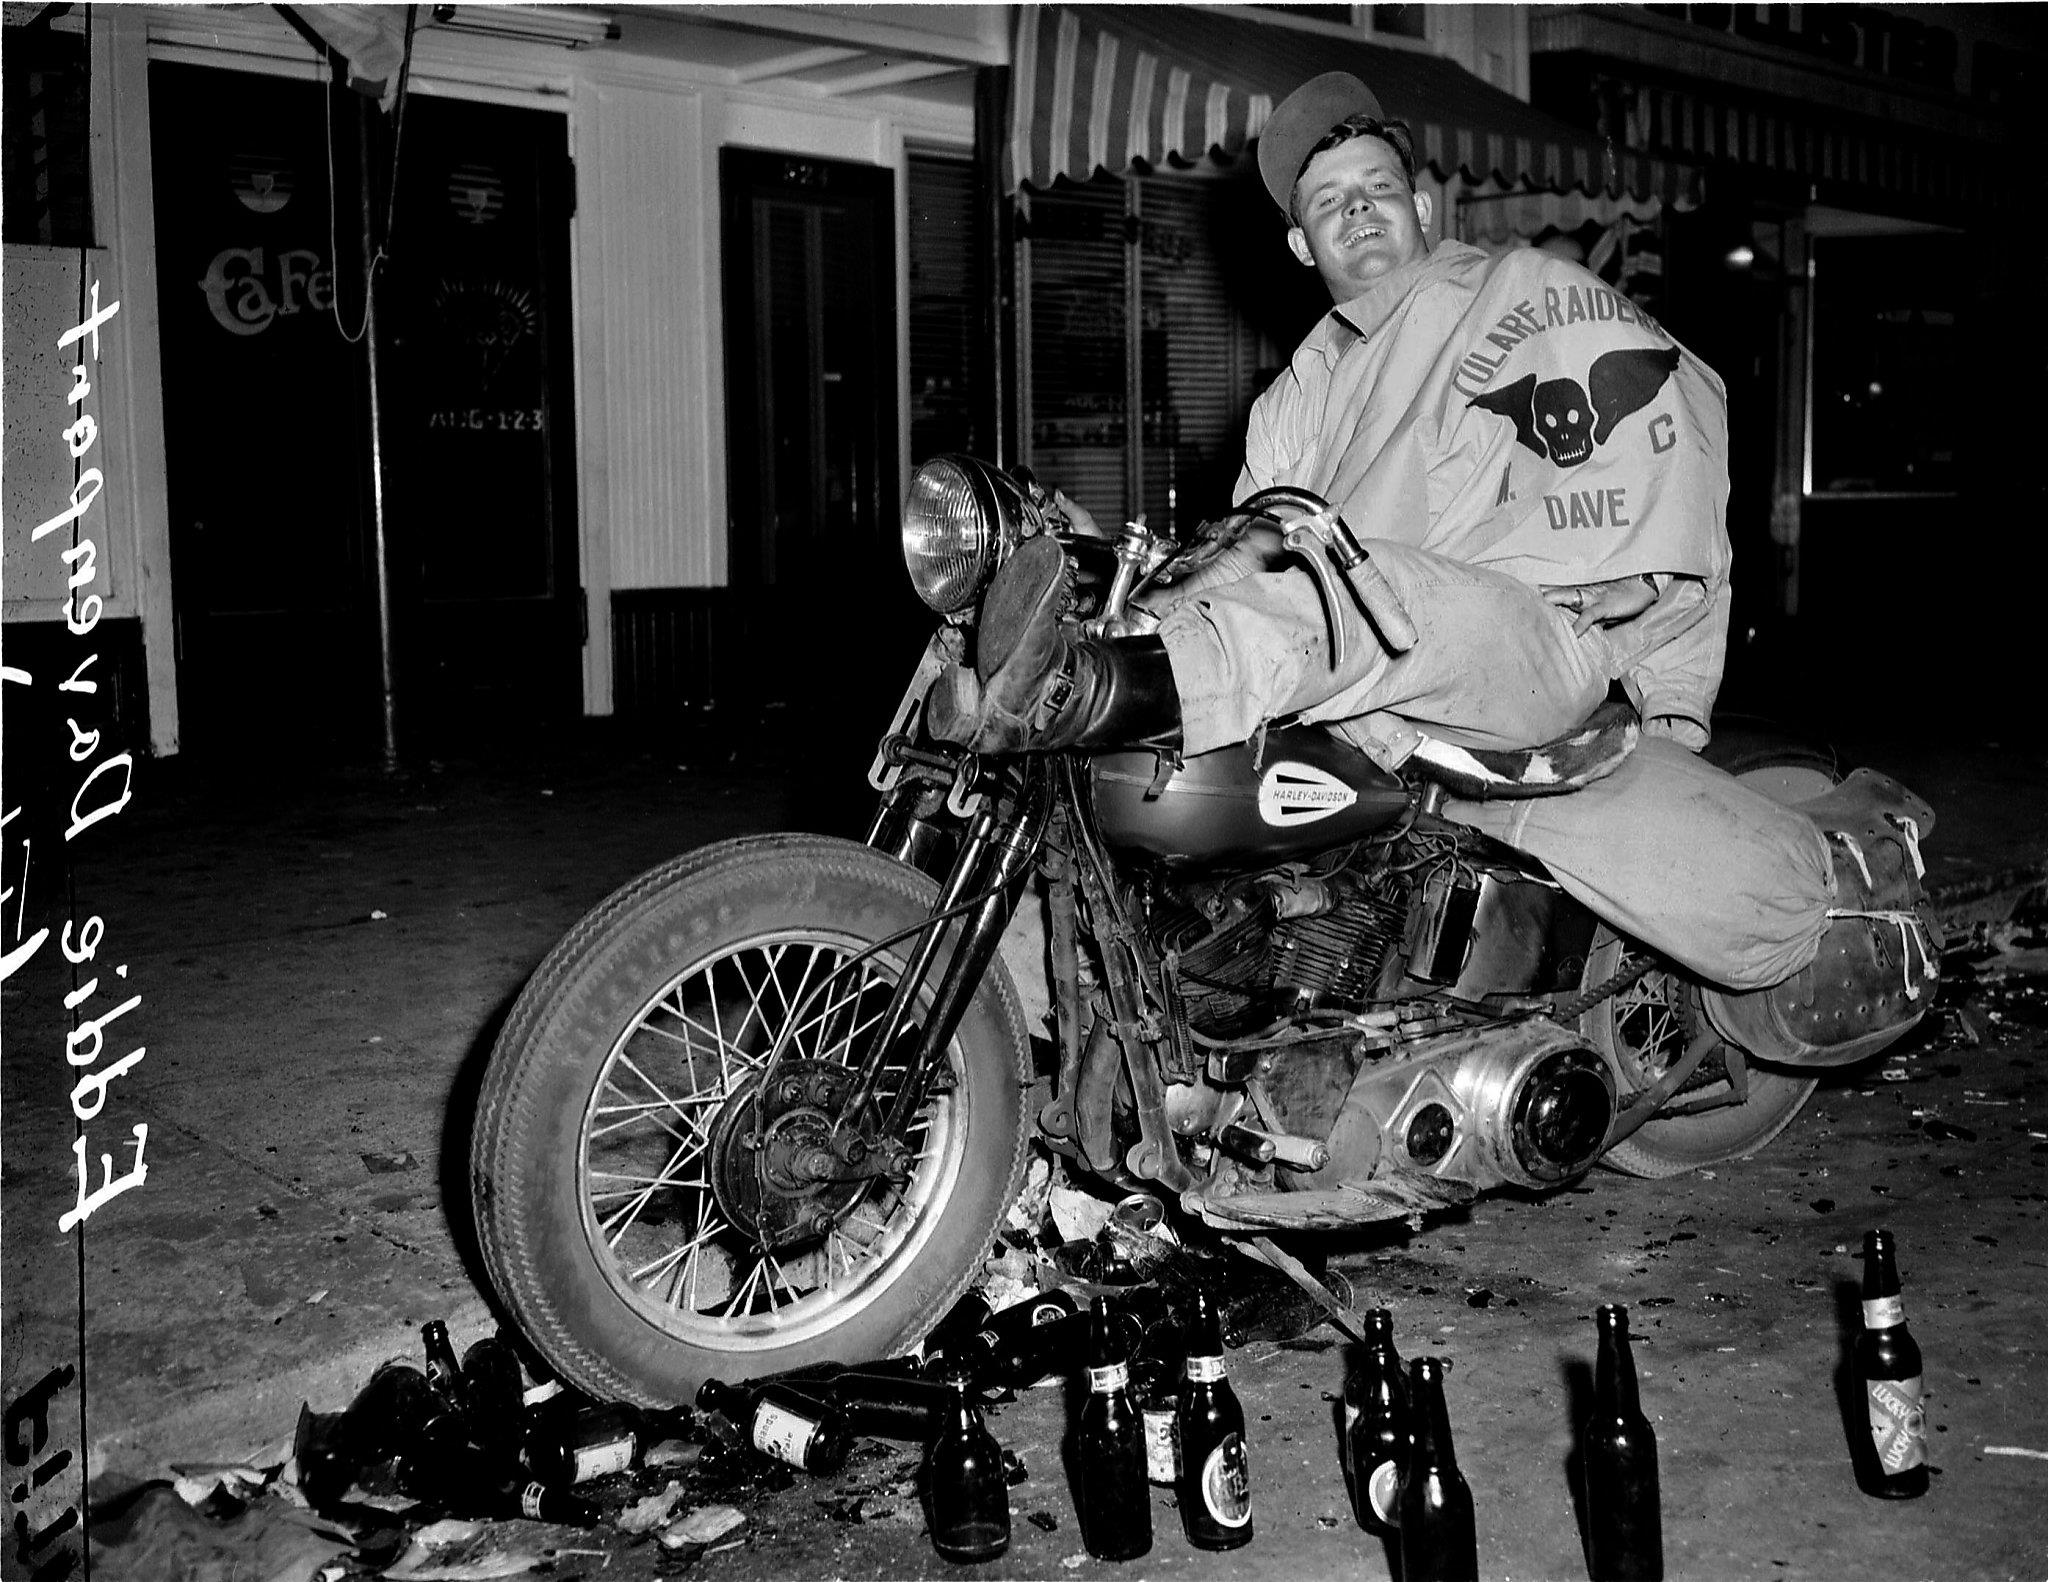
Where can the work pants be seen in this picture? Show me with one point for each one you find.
(1493, 665)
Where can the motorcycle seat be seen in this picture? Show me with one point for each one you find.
(1591, 750)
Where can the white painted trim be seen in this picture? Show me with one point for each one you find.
(122, 165)
(900, 163)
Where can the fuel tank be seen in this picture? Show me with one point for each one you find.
(1309, 792)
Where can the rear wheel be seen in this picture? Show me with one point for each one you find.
(623, 1116)
(1647, 1025)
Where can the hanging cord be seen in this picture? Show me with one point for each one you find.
(377, 258)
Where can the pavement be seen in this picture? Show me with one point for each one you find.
(322, 956)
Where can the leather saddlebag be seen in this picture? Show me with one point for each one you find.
(1879, 962)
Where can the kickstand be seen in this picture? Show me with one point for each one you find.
(1297, 1271)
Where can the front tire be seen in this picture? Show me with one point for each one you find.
(604, 1201)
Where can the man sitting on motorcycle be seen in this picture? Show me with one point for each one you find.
(1540, 473)
(1421, 407)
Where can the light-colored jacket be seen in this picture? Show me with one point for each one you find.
(1517, 412)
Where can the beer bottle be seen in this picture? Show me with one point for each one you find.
(890, 1406)
(444, 1373)
(998, 1334)
(1438, 1540)
(1111, 1496)
(953, 1337)
(1215, 1486)
(583, 1445)
(1624, 1519)
(1888, 1362)
(1376, 1426)
(1054, 1347)
(495, 1388)
(384, 1420)
(782, 1422)
(967, 1494)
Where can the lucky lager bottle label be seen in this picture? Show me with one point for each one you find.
(1883, 1312)
(1114, 1377)
(1383, 1490)
(1205, 1370)
(1227, 1482)
(783, 1434)
(1897, 1424)
(1162, 1445)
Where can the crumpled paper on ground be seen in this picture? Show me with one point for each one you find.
(157, 1537)
(468, 1551)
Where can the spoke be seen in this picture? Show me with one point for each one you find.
(661, 1101)
(630, 1210)
(846, 1043)
(775, 1271)
(754, 997)
(746, 1287)
(791, 1001)
(696, 1263)
(842, 997)
(669, 1259)
(718, 1026)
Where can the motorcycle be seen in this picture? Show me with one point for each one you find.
(768, 1104)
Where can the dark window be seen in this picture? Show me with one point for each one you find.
(1885, 345)
(1315, 13)
(47, 175)
(941, 305)
(1403, 21)
(1141, 359)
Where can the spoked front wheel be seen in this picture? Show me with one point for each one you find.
(653, 1212)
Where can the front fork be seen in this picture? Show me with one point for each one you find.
(927, 796)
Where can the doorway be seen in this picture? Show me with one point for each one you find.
(266, 401)
(811, 404)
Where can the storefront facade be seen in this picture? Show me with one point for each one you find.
(592, 492)
(1868, 238)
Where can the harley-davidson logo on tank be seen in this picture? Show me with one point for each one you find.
(1298, 793)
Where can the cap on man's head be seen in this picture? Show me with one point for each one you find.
(1301, 122)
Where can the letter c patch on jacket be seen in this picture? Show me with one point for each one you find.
(1562, 421)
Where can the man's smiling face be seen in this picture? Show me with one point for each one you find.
(1359, 217)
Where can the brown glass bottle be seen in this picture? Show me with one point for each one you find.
(888, 1405)
(967, 1494)
(1056, 1347)
(1111, 1496)
(1439, 1542)
(582, 1446)
(984, 1346)
(953, 1337)
(779, 1421)
(495, 1388)
(1376, 1426)
(1215, 1487)
(1624, 1511)
(1888, 1363)
(444, 1373)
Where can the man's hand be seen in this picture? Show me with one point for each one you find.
(1079, 521)
(1604, 603)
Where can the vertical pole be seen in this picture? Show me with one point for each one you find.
(1134, 353)
(994, 415)
(379, 547)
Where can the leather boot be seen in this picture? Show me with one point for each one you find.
(1037, 687)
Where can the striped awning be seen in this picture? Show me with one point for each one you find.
(1106, 88)
(1814, 145)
